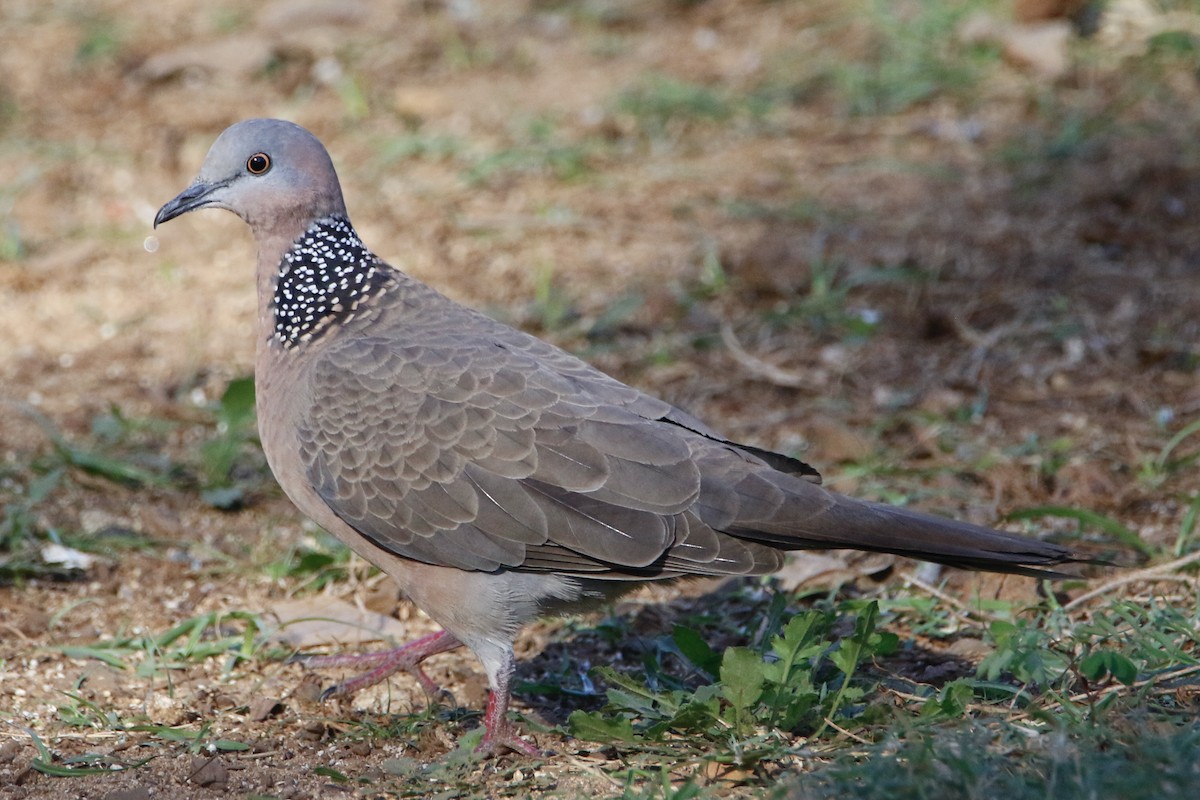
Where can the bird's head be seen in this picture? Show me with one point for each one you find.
(273, 174)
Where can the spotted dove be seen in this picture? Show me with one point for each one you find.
(494, 476)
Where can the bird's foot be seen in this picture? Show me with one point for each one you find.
(385, 663)
(499, 734)
(495, 744)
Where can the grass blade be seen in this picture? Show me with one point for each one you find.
(1089, 518)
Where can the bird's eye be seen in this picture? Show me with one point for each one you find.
(258, 163)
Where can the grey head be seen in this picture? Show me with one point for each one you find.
(273, 174)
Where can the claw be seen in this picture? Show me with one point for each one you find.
(492, 746)
(383, 664)
(499, 734)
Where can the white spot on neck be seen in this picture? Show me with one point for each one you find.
(322, 280)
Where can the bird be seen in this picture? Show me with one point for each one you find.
(494, 476)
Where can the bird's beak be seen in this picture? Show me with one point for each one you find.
(198, 195)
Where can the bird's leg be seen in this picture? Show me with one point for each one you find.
(499, 734)
(385, 663)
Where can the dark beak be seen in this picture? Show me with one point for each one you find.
(198, 195)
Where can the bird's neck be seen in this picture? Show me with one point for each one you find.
(322, 277)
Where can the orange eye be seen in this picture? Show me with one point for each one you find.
(258, 163)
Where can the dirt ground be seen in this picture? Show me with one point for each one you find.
(1053, 316)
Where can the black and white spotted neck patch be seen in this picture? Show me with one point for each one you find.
(323, 280)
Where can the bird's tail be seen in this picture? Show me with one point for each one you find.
(860, 525)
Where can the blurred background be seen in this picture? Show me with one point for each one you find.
(945, 251)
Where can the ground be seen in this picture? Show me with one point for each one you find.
(939, 270)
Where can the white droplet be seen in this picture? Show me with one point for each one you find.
(151, 244)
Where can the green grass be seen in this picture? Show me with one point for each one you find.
(312, 565)
(1084, 679)
(664, 107)
(27, 489)
(874, 57)
(914, 55)
(750, 692)
(1069, 701)
(975, 761)
(1179, 453)
(231, 463)
(223, 468)
(749, 688)
(235, 637)
(798, 680)
(540, 146)
(102, 39)
(193, 640)
(417, 145)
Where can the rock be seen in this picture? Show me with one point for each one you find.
(1041, 48)
(262, 707)
(233, 57)
(208, 771)
(130, 793)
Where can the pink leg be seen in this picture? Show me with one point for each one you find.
(499, 734)
(385, 663)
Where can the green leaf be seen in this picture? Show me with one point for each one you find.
(98, 653)
(951, 701)
(113, 469)
(1163, 461)
(41, 487)
(629, 694)
(696, 650)
(331, 773)
(852, 649)
(802, 637)
(595, 727)
(312, 561)
(742, 677)
(884, 643)
(697, 715)
(791, 704)
(230, 745)
(237, 402)
(63, 771)
(79, 766)
(1102, 663)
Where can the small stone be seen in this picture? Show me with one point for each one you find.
(208, 771)
(835, 441)
(263, 707)
(9, 751)
(402, 766)
(313, 731)
(1041, 48)
(131, 793)
(309, 691)
(970, 649)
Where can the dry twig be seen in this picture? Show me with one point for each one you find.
(1155, 573)
(756, 366)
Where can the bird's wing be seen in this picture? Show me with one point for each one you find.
(454, 440)
(479, 447)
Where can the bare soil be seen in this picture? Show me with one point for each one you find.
(1056, 301)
